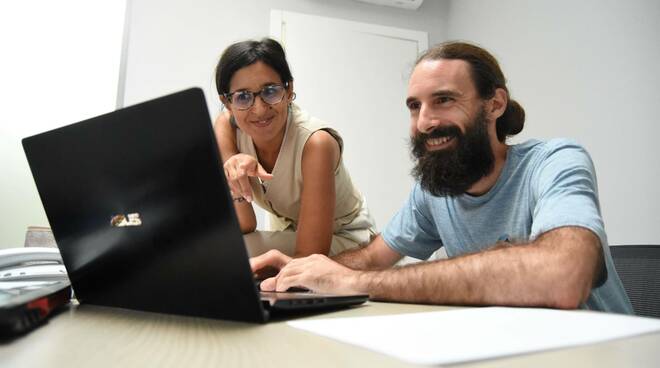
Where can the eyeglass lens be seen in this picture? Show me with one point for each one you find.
(270, 94)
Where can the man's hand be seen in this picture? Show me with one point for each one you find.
(268, 264)
(317, 273)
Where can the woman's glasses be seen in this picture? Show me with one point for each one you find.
(243, 100)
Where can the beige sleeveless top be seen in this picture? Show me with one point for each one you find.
(281, 195)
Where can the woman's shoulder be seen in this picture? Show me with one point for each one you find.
(222, 121)
(307, 125)
(303, 120)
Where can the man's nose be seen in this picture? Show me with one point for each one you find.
(427, 121)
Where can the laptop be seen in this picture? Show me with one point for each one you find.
(143, 217)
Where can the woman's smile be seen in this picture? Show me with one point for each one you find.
(262, 122)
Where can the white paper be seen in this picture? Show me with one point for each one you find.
(469, 334)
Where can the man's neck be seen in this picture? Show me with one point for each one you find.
(484, 184)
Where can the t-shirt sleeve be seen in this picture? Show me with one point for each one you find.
(411, 231)
(566, 191)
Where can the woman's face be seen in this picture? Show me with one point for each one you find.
(262, 121)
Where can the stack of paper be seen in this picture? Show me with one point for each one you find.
(477, 333)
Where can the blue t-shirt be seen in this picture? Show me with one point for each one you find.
(543, 186)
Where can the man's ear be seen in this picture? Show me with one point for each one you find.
(498, 103)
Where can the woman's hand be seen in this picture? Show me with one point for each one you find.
(238, 168)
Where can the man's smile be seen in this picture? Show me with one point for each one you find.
(434, 144)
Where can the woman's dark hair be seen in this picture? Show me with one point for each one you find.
(245, 53)
(487, 77)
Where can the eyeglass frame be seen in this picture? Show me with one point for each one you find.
(229, 96)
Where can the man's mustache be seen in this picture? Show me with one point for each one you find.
(419, 140)
(441, 132)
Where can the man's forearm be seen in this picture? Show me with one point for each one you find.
(555, 271)
(375, 256)
(356, 258)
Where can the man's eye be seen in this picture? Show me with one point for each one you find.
(444, 99)
(413, 105)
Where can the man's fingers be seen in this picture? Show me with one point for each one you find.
(269, 284)
(289, 277)
(297, 273)
(283, 283)
(273, 258)
(259, 262)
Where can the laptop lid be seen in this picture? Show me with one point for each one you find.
(141, 212)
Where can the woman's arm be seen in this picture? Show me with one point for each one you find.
(226, 137)
(317, 201)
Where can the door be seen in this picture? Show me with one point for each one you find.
(354, 76)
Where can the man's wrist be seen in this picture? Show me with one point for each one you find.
(360, 281)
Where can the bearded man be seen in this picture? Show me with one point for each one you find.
(521, 223)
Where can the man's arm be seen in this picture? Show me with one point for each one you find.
(375, 256)
(557, 270)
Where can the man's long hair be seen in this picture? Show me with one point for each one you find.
(487, 77)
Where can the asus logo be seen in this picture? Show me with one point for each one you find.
(120, 220)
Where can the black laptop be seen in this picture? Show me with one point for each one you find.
(142, 214)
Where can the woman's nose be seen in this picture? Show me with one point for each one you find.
(259, 105)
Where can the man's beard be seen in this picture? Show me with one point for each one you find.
(452, 171)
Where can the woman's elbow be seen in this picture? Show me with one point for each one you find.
(247, 225)
(248, 228)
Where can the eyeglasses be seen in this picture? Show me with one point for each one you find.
(270, 94)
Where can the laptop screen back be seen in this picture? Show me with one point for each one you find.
(141, 212)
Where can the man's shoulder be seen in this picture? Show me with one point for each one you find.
(547, 145)
(544, 149)
(545, 161)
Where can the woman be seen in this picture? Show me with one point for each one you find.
(283, 159)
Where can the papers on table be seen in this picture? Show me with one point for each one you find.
(477, 333)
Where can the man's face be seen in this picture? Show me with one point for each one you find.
(449, 128)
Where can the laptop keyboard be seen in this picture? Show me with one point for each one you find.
(293, 289)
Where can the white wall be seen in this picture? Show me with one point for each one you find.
(59, 64)
(175, 44)
(589, 70)
(584, 69)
